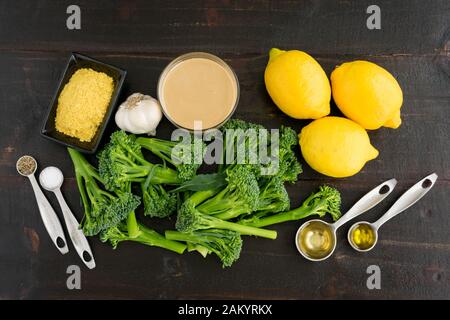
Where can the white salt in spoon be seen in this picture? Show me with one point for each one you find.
(51, 179)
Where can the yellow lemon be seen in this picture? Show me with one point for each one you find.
(336, 147)
(297, 84)
(367, 94)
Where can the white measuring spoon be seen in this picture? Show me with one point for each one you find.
(367, 202)
(75, 233)
(48, 215)
(407, 199)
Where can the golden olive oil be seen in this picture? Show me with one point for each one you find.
(363, 236)
(316, 240)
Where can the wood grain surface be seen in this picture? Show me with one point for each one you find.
(142, 37)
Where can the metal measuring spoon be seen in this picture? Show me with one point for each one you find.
(328, 230)
(48, 215)
(75, 233)
(406, 200)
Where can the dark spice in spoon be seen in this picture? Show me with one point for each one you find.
(26, 165)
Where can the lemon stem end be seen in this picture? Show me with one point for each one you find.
(274, 53)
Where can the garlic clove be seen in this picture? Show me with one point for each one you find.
(120, 119)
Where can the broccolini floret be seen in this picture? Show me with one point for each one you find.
(247, 136)
(286, 166)
(326, 200)
(288, 138)
(240, 196)
(273, 196)
(121, 162)
(225, 244)
(157, 201)
(289, 167)
(102, 209)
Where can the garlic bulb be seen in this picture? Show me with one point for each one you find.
(139, 114)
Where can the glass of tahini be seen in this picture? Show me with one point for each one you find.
(198, 91)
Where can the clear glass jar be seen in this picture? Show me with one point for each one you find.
(185, 57)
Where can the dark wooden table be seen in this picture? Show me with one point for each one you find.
(142, 37)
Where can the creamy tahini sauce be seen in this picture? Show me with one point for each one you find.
(199, 89)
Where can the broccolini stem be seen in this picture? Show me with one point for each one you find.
(214, 203)
(135, 176)
(246, 230)
(165, 175)
(192, 241)
(153, 238)
(179, 236)
(139, 157)
(199, 248)
(92, 192)
(295, 214)
(221, 207)
(232, 213)
(132, 225)
(126, 159)
(157, 147)
(200, 196)
(83, 167)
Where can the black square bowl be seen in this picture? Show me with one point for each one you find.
(78, 61)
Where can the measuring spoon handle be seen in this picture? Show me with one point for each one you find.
(407, 199)
(49, 217)
(367, 202)
(75, 233)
